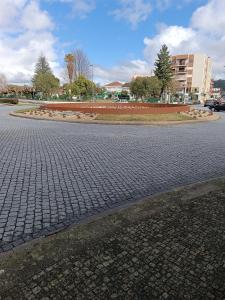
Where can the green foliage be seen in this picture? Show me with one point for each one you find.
(42, 66)
(101, 90)
(153, 86)
(143, 87)
(220, 83)
(163, 68)
(44, 81)
(81, 87)
(9, 101)
(137, 87)
(124, 93)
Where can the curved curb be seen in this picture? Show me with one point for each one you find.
(99, 122)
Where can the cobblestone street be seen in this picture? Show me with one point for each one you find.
(166, 247)
(56, 174)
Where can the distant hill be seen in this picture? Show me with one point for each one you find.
(220, 84)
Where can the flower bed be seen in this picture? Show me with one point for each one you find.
(119, 108)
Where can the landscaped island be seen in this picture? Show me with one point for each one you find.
(118, 113)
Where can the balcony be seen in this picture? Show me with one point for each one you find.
(181, 78)
(181, 64)
(181, 72)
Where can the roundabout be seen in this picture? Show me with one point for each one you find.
(118, 113)
(54, 174)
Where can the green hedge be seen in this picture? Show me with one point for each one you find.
(9, 101)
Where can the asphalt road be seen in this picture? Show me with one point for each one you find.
(54, 174)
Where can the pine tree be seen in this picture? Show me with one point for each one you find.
(44, 80)
(163, 69)
(42, 66)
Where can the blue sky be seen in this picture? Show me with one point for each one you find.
(106, 39)
(120, 37)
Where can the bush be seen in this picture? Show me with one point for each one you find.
(9, 101)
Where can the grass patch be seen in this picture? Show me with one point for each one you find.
(144, 118)
(22, 111)
(24, 104)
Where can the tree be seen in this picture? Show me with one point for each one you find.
(137, 87)
(82, 64)
(174, 87)
(42, 66)
(100, 90)
(3, 82)
(163, 68)
(43, 80)
(220, 83)
(82, 87)
(146, 87)
(153, 86)
(46, 83)
(70, 65)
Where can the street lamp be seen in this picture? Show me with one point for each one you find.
(92, 78)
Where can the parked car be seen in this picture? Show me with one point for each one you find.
(209, 103)
(219, 106)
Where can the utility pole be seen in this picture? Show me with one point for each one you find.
(92, 79)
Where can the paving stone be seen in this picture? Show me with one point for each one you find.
(59, 173)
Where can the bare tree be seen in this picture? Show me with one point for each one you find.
(82, 64)
(3, 82)
(70, 65)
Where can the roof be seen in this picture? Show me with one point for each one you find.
(127, 84)
(114, 84)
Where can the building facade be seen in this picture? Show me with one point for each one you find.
(114, 87)
(117, 87)
(216, 93)
(193, 73)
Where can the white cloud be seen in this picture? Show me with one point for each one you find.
(20, 54)
(24, 35)
(210, 18)
(9, 12)
(133, 11)
(81, 8)
(123, 72)
(33, 18)
(177, 38)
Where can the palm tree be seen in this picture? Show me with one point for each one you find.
(70, 64)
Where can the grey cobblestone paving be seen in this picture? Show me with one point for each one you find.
(54, 174)
(167, 247)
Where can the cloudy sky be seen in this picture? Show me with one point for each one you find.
(121, 37)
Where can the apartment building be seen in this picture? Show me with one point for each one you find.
(193, 72)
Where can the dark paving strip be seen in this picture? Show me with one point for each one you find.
(166, 247)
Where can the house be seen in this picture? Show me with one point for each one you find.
(114, 87)
(126, 87)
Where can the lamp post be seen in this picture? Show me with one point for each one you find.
(92, 79)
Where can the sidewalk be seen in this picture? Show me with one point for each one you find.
(171, 246)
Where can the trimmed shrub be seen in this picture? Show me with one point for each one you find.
(9, 101)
